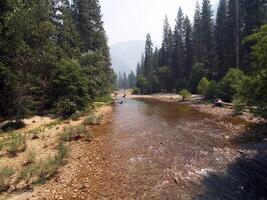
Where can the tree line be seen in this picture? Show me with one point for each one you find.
(53, 56)
(126, 81)
(215, 56)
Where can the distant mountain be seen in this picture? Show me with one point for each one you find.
(126, 55)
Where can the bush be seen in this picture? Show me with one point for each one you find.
(49, 167)
(5, 175)
(239, 106)
(104, 99)
(253, 92)
(212, 90)
(230, 84)
(72, 133)
(143, 84)
(136, 90)
(66, 107)
(89, 120)
(16, 143)
(198, 72)
(76, 116)
(27, 173)
(9, 126)
(185, 94)
(69, 87)
(203, 86)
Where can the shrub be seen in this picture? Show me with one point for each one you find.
(185, 94)
(253, 92)
(16, 143)
(69, 87)
(66, 107)
(104, 99)
(136, 90)
(47, 169)
(9, 126)
(89, 120)
(239, 106)
(76, 116)
(198, 72)
(203, 86)
(72, 133)
(143, 84)
(230, 84)
(212, 90)
(5, 175)
(27, 173)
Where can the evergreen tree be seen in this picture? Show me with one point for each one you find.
(178, 50)
(253, 15)
(148, 62)
(196, 36)
(188, 44)
(207, 36)
(221, 40)
(166, 47)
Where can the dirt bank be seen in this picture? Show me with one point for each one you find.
(42, 136)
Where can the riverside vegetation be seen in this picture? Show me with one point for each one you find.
(222, 58)
(54, 60)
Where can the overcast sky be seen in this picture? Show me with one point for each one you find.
(132, 19)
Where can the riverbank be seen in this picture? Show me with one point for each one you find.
(201, 105)
(48, 148)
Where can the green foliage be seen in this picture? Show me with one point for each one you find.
(104, 99)
(143, 84)
(49, 167)
(197, 74)
(203, 86)
(38, 48)
(185, 94)
(239, 106)
(27, 173)
(5, 175)
(231, 84)
(65, 107)
(253, 93)
(260, 48)
(72, 133)
(212, 90)
(89, 120)
(70, 86)
(16, 143)
(136, 90)
(76, 116)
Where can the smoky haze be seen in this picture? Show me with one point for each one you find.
(126, 20)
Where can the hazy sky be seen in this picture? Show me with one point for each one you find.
(132, 19)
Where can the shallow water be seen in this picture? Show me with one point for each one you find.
(159, 150)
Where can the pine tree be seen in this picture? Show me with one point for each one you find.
(253, 15)
(166, 47)
(221, 40)
(68, 35)
(178, 49)
(196, 36)
(207, 36)
(148, 62)
(188, 44)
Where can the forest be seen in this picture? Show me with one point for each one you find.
(54, 57)
(222, 56)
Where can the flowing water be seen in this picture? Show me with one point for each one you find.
(159, 150)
